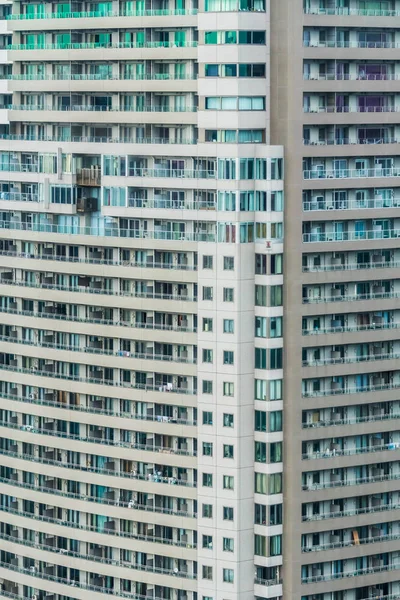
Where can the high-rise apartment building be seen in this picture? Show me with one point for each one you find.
(159, 328)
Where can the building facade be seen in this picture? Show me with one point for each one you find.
(198, 250)
(141, 302)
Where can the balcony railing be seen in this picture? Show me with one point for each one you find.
(109, 322)
(349, 109)
(90, 469)
(349, 390)
(99, 291)
(32, 399)
(151, 108)
(349, 44)
(102, 261)
(267, 582)
(390, 264)
(350, 141)
(334, 76)
(351, 173)
(100, 381)
(351, 421)
(72, 582)
(358, 12)
(352, 573)
(103, 13)
(94, 440)
(104, 45)
(112, 231)
(103, 352)
(351, 512)
(99, 77)
(352, 297)
(349, 451)
(349, 482)
(102, 531)
(350, 328)
(389, 537)
(351, 236)
(95, 139)
(19, 197)
(366, 203)
(344, 360)
(174, 173)
(131, 505)
(97, 559)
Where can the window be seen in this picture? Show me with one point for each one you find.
(231, 37)
(275, 420)
(208, 262)
(228, 294)
(260, 452)
(260, 514)
(227, 513)
(276, 389)
(207, 480)
(207, 293)
(275, 545)
(276, 231)
(260, 421)
(275, 483)
(228, 326)
(261, 295)
(207, 356)
(260, 355)
(211, 70)
(227, 575)
(277, 201)
(275, 514)
(276, 264)
(276, 358)
(275, 452)
(229, 263)
(211, 37)
(207, 511)
(260, 389)
(275, 327)
(227, 544)
(207, 386)
(252, 70)
(207, 417)
(261, 327)
(261, 264)
(260, 545)
(260, 483)
(228, 451)
(276, 295)
(207, 324)
(228, 388)
(228, 420)
(207, 572)
(228, 357)
(251, 37)
(207, 449)
(227, 482)
(207, 542)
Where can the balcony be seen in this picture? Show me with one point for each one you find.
(101, 77)
(105, 45)
(353, 573)
(352, 543)
(349, 452)
(350, 44)
(357, 12)
(89, 177)
(102, 14)
(351, 236)
(131, 505)
(376, 201)
(95, 139)
(351, 173)
(351, 512)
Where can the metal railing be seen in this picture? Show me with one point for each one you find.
(107, 382)
(366, 203)
(104, 13)
(351, 512)
(349, 44)
(94, 440)
(110, 232)
(351, 236)
(350, 482)
(99, 77)
(350, 421)
(101, 531)
(101, 261)
(349, 390)
(350, 141)
(359, 12)
(165, 420)
(103, 352)
(350, 328)
(104, 45)
(349, 451)
(389, 537)
(97, 559)
(90, 108)
(95, 139)
(351, 173)
(109, 322)
(152, 508)
(390, 264)
(344, 360)
(334, 76)
(351, 298)
(91, 469)
(99, 291)
(353, 573)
